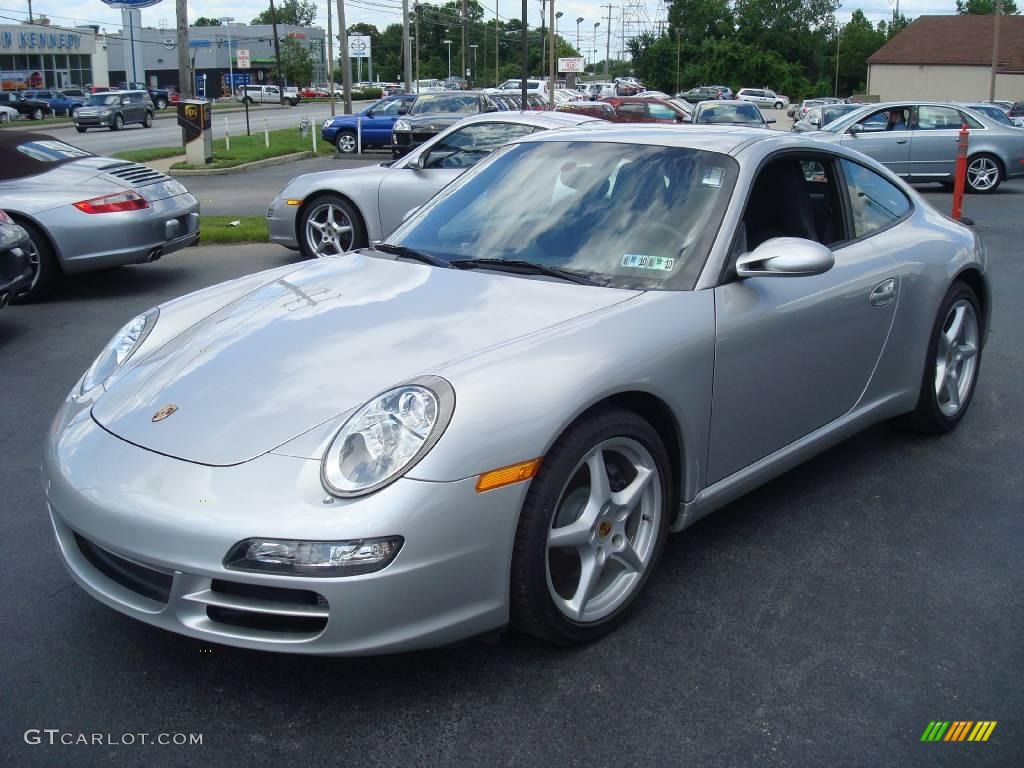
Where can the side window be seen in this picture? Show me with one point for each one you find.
(970, 121)
(661, 112)
(466, 147)
(937, 118)
(386, 108)
(875, 202)
(879, 121)
(632, 107)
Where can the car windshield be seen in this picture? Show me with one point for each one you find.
(740, 112)
(104, 100)
(462, 104)
(828, 114)
(840, 123)
(629, 216)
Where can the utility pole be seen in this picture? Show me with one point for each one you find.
(839, 37)
(608, 39)
(526, 57)
(995, 51)
(497, 46)
(406, 48)
(551, 45)
(678, 37)
(185, 84)
(418, 9)
(31, 20)
(465, 20)
(330, 57)
(277, 51)
(346, 62)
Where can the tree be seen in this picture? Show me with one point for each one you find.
(206, 21)
(857, 41)
(984, 7)
(301, 13)
(698, 20)
(296, 61)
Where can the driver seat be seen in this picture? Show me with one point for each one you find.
(780, 205)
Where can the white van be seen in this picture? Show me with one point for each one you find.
(265, 94)
(597, 90)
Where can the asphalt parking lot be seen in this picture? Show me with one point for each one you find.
(823, 619)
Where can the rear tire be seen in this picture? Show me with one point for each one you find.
(161, 103)
(572, 525)
(984, 174)
(47, 271)
(37, 114)
(779, 105)
(952, 364)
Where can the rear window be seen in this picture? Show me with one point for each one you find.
(31, 154)
(51, 151)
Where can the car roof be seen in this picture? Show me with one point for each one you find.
(540, 118)
(725, 139)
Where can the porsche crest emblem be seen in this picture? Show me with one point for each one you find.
(164, 412)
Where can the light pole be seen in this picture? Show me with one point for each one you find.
(839, 37)
(226, 21)
(578, 22)
(474, 46)
(594, 57)
(449, 44)
(678, 32)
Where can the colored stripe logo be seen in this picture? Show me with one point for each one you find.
(958, 730)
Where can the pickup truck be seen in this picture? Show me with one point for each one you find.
(60, 103)
(35, 109)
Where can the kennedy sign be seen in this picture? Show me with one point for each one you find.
(40, 41)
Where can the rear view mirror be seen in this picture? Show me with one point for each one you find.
(785, 257)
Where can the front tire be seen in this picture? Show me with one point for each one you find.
(345, 141)
(80, 129)
(118, 123)
(147, 122)
(329, 226)
(46, 271)
(984, 174)
(593, 525)
(953, 362)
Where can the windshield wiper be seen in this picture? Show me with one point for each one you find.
(523, 267)
(410, 253)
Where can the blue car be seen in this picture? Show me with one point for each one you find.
(377, 121)
(60, 103)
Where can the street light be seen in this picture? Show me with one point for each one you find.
(594, 57)
(578, 22)
(226, 21)
(449, 44)
(474, 46)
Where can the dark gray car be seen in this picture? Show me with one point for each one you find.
(115, 110)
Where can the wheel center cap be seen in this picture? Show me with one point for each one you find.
(604, 528)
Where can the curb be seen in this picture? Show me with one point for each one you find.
(253, 166)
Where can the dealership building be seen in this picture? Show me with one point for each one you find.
(213, 52)
(42, 55)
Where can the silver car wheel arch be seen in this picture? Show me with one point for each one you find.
(326, 228)
(613, 532)
(983, 173)
(956, 357)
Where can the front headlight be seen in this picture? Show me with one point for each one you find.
(387, 436)
(106, 111)
(121, 347)
(326, 123)
(402, 125)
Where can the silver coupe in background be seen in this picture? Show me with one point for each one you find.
(85, 212)
(497, 415)
(330, 212)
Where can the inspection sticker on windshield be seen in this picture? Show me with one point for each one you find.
(713, 177)
(638, 261)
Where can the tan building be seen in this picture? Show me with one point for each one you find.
(949, 58)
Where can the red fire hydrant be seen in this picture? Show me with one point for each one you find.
(960, 175)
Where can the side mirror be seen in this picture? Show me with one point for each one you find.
(410, 213)
(855, 129)
(771, 120)
(124, 101)
(417, 163)
(785, 257)
(403, 108)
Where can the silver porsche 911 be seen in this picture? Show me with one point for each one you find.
(497, 415)
(85, 212)
(330, 212)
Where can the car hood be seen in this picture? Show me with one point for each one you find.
(317, 342)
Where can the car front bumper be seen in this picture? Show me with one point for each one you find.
(93, 121)
(87, 241)
(281, 223)
(147, 535)
(404, 142)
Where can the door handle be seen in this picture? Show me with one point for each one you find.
(901, 141)
(883, 293)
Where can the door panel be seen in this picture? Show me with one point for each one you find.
(794, 353)
(935, 136)
(408, 188)
(891, 148)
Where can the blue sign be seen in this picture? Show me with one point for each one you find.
(130, 3)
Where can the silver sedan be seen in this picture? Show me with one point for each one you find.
(918, 141)
(84, 212)
(327, 213)
(497, 416)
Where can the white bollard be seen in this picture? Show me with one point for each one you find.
(312, 132)
(266, 133)
(227, 136)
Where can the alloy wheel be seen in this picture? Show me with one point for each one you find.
(983, 173)
(346, 143)
(956, 357)
(329, 230)
(605, 530)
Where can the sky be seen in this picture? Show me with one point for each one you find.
(384, 12)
